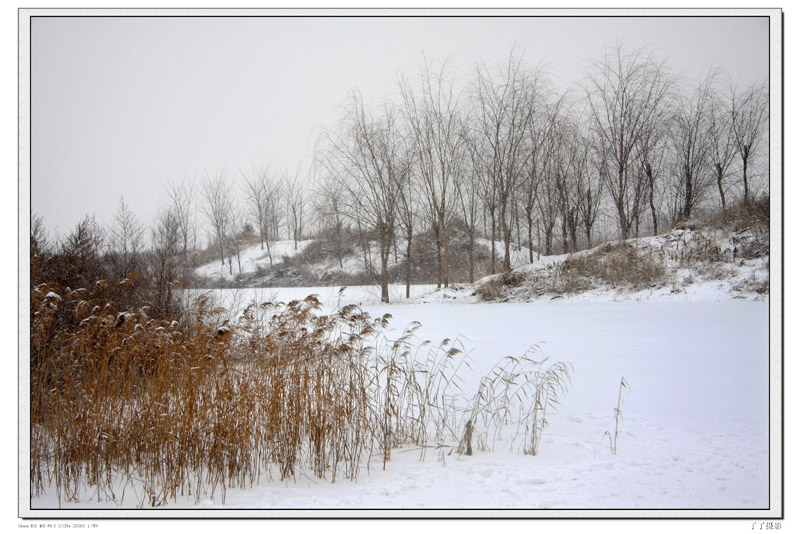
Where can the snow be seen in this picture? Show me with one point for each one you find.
(520, 255)
(694, 432)
(253, 258)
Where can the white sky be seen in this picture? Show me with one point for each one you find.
(121, 106)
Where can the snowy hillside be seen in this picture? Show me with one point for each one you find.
(253, 259)
(691, 262)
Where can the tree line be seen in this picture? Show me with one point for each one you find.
(505, 154)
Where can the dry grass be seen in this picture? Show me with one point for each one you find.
(122, 402)
(615, 264)
(753, 215)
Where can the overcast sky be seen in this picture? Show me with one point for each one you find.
(122, 106)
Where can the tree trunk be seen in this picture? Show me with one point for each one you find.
(719, 185)
(529, 220)
(472, 255)
(408, 263)
(688, 193)
(494, 236)
(651, 196)
(438, 240)
(445, 258)
(506, 240)
(623, 222)
(744, 174)
(385, 252)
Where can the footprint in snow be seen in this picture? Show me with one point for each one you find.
(532, 481)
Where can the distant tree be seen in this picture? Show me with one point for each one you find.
(370, 160)
(408, 208)
(181, 201)
(39, 251)
(547, 197)
(589, 184)
(749, 118)
(294, 190)
(331, 212)
(506, 102)
(573, 182)
(692, 146)
(541, 132)
(39, 243)
(262, 192)
(469, 191)
(432, 117)
(125, 241)
(79, 261)
(164, 255)
(652, 152)
(218, 208)
(626, 93)
(722, 150)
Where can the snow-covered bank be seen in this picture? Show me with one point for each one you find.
(692, 262)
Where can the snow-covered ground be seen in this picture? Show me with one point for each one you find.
(255, 259)
(520, 255)
(694, 433)
(252, 259)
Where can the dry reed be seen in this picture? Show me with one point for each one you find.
(122, 403)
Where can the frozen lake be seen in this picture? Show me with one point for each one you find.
(694, 431)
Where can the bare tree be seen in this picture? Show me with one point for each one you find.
(180, 197)
(294, 191)
(407, 215)
(39, 244)
(505, 105)
(370, 160)
(125, 241)
(577, 194)
(482, 183)
(691, 145)
(749, 118)
(653, 150)
(218, 207)
(166, 239)
(626, 92)
(330, 207)
(470, 190)
(541, 131)
(590, 190)
(722, 149)
(547, 194)
(79, 259)
(263, 195)
(432, 116)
